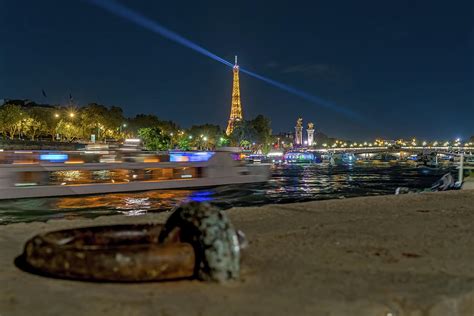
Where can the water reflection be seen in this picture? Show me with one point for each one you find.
(289, 183)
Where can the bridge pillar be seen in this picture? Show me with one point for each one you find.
(310, 132)
(299, 132)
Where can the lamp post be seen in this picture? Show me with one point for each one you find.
(54, 134)
(122, 126)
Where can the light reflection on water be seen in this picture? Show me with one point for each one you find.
(292, 183)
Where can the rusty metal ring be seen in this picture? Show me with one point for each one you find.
(197, 240)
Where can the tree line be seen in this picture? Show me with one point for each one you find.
(31, 121)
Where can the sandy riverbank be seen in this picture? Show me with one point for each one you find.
(404, 255)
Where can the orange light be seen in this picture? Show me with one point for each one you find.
(24, 162)
(74, 162)
(151, 160)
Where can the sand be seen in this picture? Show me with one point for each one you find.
(389, 255)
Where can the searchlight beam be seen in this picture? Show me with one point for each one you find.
(122, 11)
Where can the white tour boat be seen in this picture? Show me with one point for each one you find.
(44, 174)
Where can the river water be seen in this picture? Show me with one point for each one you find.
(289, 183)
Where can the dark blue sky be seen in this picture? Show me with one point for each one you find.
(407, 66)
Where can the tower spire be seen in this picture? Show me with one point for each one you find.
(236, 107)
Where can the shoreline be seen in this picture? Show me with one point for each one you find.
(406, 255)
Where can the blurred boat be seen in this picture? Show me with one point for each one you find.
(65, 174)
(342, 159)
(300, 157)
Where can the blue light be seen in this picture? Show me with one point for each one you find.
(190, 156)
(299, 156)
(203, 196)
(120, 10)
(54, 157)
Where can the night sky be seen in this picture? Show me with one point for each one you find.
(405, 66)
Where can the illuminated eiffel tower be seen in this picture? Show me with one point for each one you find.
(236, 109)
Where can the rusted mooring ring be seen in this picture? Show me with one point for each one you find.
(197, 240)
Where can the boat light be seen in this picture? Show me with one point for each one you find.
(190, 156)
(54, 157)
(275, 154)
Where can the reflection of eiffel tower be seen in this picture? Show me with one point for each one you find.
(236, 109)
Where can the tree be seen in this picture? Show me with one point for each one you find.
(68, 130)
(262, 127)
(184, 143)
(31, 127)
(103, 121)
(154, 138)
(42, 121)
(244, 134)
(142, 121)
(255, 134)
(206, 135)
(10, 119)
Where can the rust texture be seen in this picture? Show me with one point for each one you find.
(121, 253)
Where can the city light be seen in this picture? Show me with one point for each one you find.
(56, 115)
(71, 114)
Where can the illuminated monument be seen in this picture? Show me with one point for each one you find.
(299, 132)
(310, 132)
(236, 109)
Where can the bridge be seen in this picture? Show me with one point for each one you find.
(449, 150)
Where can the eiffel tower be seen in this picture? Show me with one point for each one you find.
(236, 109)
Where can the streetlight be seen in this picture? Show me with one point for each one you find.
(122, 126)
(190, 136)
(56, 115)
(71, 114)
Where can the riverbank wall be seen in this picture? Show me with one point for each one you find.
(388, 255)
